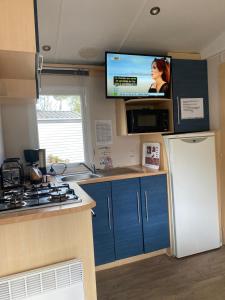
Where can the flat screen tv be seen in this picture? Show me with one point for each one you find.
(132, 76)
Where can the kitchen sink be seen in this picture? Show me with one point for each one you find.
(79, 176)
(101, 173)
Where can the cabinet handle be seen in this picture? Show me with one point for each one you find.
(40, 62)
(178, 110)
(109, 213)
(93, 213)
(146, 205)
(138, 206)
(39, 81)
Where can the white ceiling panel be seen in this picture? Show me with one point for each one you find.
(98, 25)
(48, 22)
(80, 31)
(180, 26)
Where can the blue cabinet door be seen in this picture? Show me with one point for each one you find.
(102, 222)
(127, 218)
(155, 212)
(190, 81)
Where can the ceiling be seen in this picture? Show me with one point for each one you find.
(80, 31)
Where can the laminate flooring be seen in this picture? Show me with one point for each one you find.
(198, 277)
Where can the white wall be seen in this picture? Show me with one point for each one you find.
(20, 127)
(126, 149)
(213, 86)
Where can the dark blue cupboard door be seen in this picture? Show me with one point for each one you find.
(155, 212)
(190, 81)
(127, 218)
(102, 222)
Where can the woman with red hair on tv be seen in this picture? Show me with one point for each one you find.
(161, 75)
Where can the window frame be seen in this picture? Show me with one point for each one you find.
(74, 91)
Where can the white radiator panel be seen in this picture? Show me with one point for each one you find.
(58, 281)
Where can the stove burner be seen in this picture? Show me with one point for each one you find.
(58, 196)
(16, 204)
(27, 197)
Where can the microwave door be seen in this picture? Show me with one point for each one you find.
(147, 121)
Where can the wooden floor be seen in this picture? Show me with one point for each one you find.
(199, 277)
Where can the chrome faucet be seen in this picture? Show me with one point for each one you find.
(52, 171)
(92, 168)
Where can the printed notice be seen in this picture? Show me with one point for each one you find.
(151, 155)
(192, 108)
(104, 154)
(103, 130)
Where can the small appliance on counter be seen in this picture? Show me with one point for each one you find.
(12, 174)
(37, 163)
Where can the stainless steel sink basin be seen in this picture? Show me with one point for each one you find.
(103, 173)
(79, 176)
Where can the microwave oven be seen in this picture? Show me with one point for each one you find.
(147, 120)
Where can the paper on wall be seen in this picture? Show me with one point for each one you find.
(151, 155)
(192, 108)
(103, 131)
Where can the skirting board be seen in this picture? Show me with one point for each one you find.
(132, 259)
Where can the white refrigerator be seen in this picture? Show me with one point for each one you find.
(193, 187)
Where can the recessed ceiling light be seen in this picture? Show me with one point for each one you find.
(46, 48)
(155, 10)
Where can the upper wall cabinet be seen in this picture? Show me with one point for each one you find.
(190, 81)
(18, 47)
(17, 26)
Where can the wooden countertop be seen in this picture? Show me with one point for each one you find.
(87, 201)
(136, 171)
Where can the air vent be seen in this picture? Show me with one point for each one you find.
(59, 281)
(33, 284)
(4, 291)
(18, 288)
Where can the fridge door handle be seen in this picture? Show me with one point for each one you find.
(146, 205)
(194, 140)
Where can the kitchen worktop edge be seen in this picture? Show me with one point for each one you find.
(140, 173)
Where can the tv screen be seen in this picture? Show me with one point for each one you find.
(137, 76)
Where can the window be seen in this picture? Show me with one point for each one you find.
(60, 128)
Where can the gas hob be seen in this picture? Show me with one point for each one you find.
(36, 196)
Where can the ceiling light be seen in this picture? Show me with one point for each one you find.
(155, 10)
(46, 48)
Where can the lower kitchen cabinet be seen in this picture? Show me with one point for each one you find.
(102, 222)
(131, 217)
(155, 212)
(127, 218)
